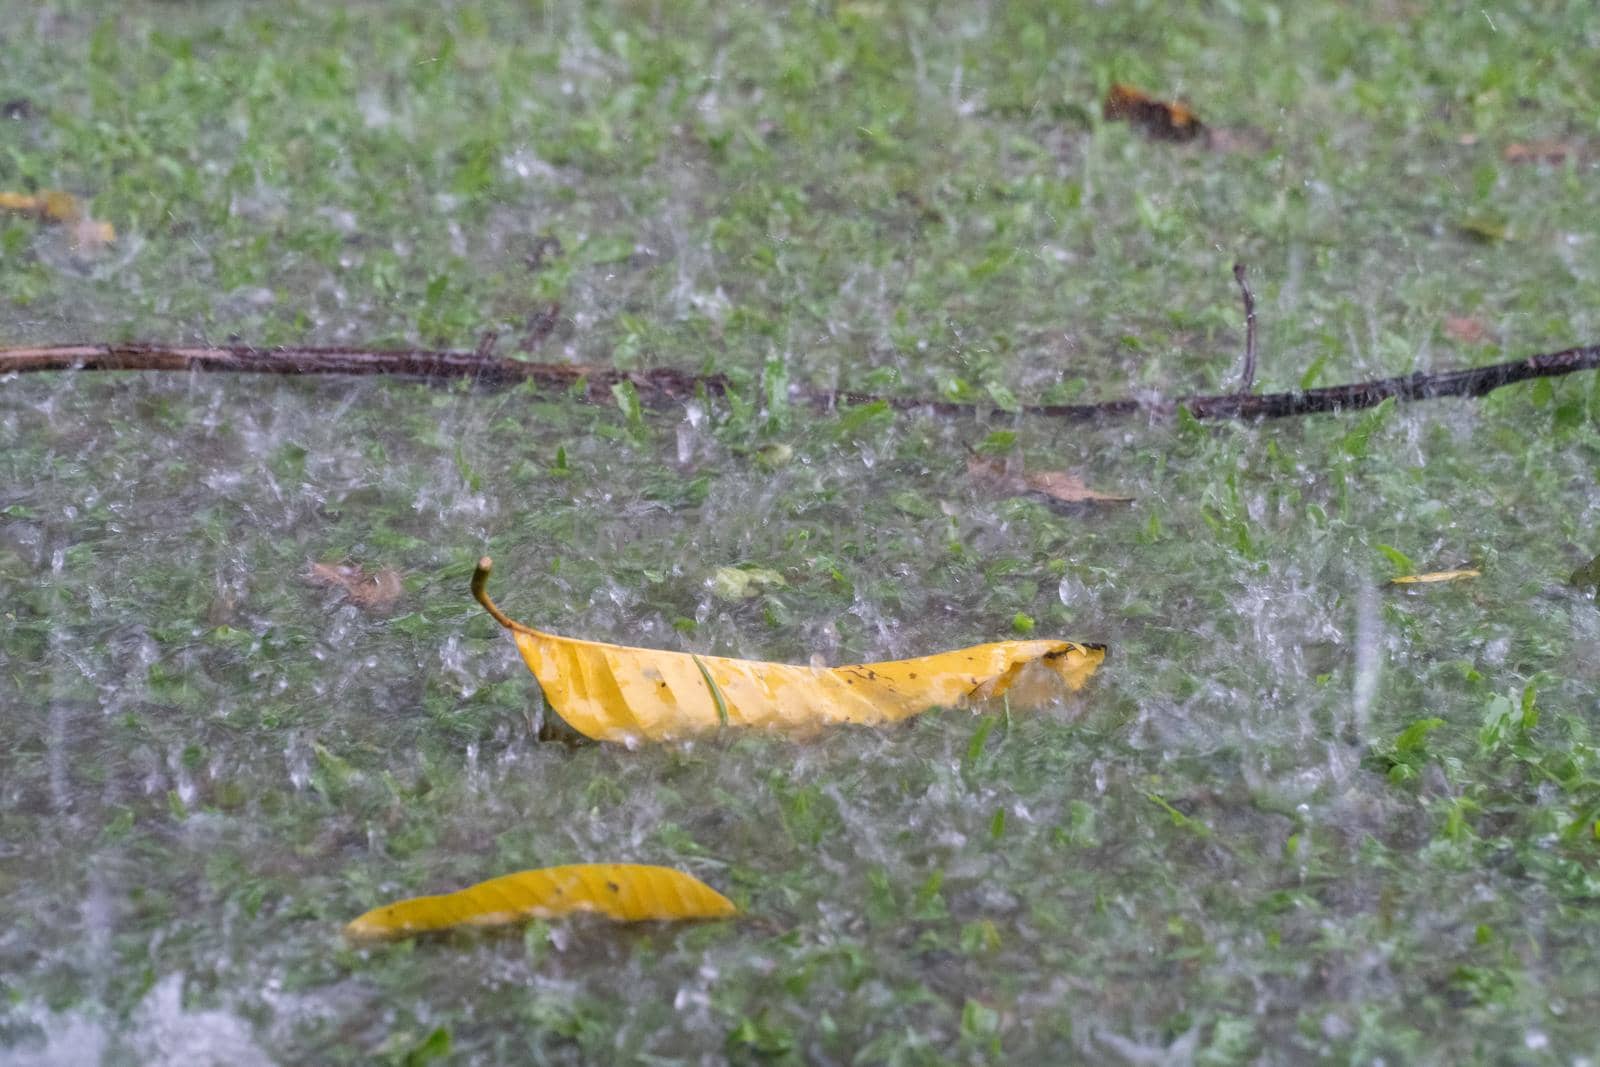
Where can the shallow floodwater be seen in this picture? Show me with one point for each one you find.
(214, 763)
(1297, 816)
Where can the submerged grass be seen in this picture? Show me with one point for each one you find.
(1297, 815)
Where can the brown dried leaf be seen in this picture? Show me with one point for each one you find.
(1070, 489)
(378, 591)
(1543, 151)
(91, 235)
(1059, 486)
(995, 474)
(1162, 119)
(1241, 139)
(1466, 329)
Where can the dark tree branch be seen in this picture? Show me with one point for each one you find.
(665, 384)
(661, 383)
(1248, 379)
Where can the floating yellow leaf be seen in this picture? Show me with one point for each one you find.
(616, 693)
(626, 892)
(1435, 576)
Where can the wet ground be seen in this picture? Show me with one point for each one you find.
(1298, 814)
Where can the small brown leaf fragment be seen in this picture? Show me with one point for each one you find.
(1466, 329)
(1059, 486)
(1161, 119)
(1069, 489)
(1245, 140)
(995, 474)
(91, 235)
(377, 592)
(1543, 151)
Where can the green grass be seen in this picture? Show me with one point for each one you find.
(1295, 817)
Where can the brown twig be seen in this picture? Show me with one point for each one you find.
(666, 384)
(1248, 379)
(657, 384)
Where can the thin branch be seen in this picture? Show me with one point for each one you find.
(662, 383)
(1249, 377)
(665, 384)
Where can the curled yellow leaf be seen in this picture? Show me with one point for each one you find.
(626, 892)
(617, 693)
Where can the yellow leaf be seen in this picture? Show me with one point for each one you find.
(616, 693)
(1435, 576)
(626, 892)
(25, 203)
(53, 205)
(60, 207)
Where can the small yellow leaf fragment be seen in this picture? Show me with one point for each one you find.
(625, 892)
(24, 203)
(616, 693)
(53, 205)
(1435, 576)
(58, 206)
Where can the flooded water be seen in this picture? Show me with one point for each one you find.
(1299, 815)
(215, 763)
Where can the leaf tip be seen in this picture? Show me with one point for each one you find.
(367, 928)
